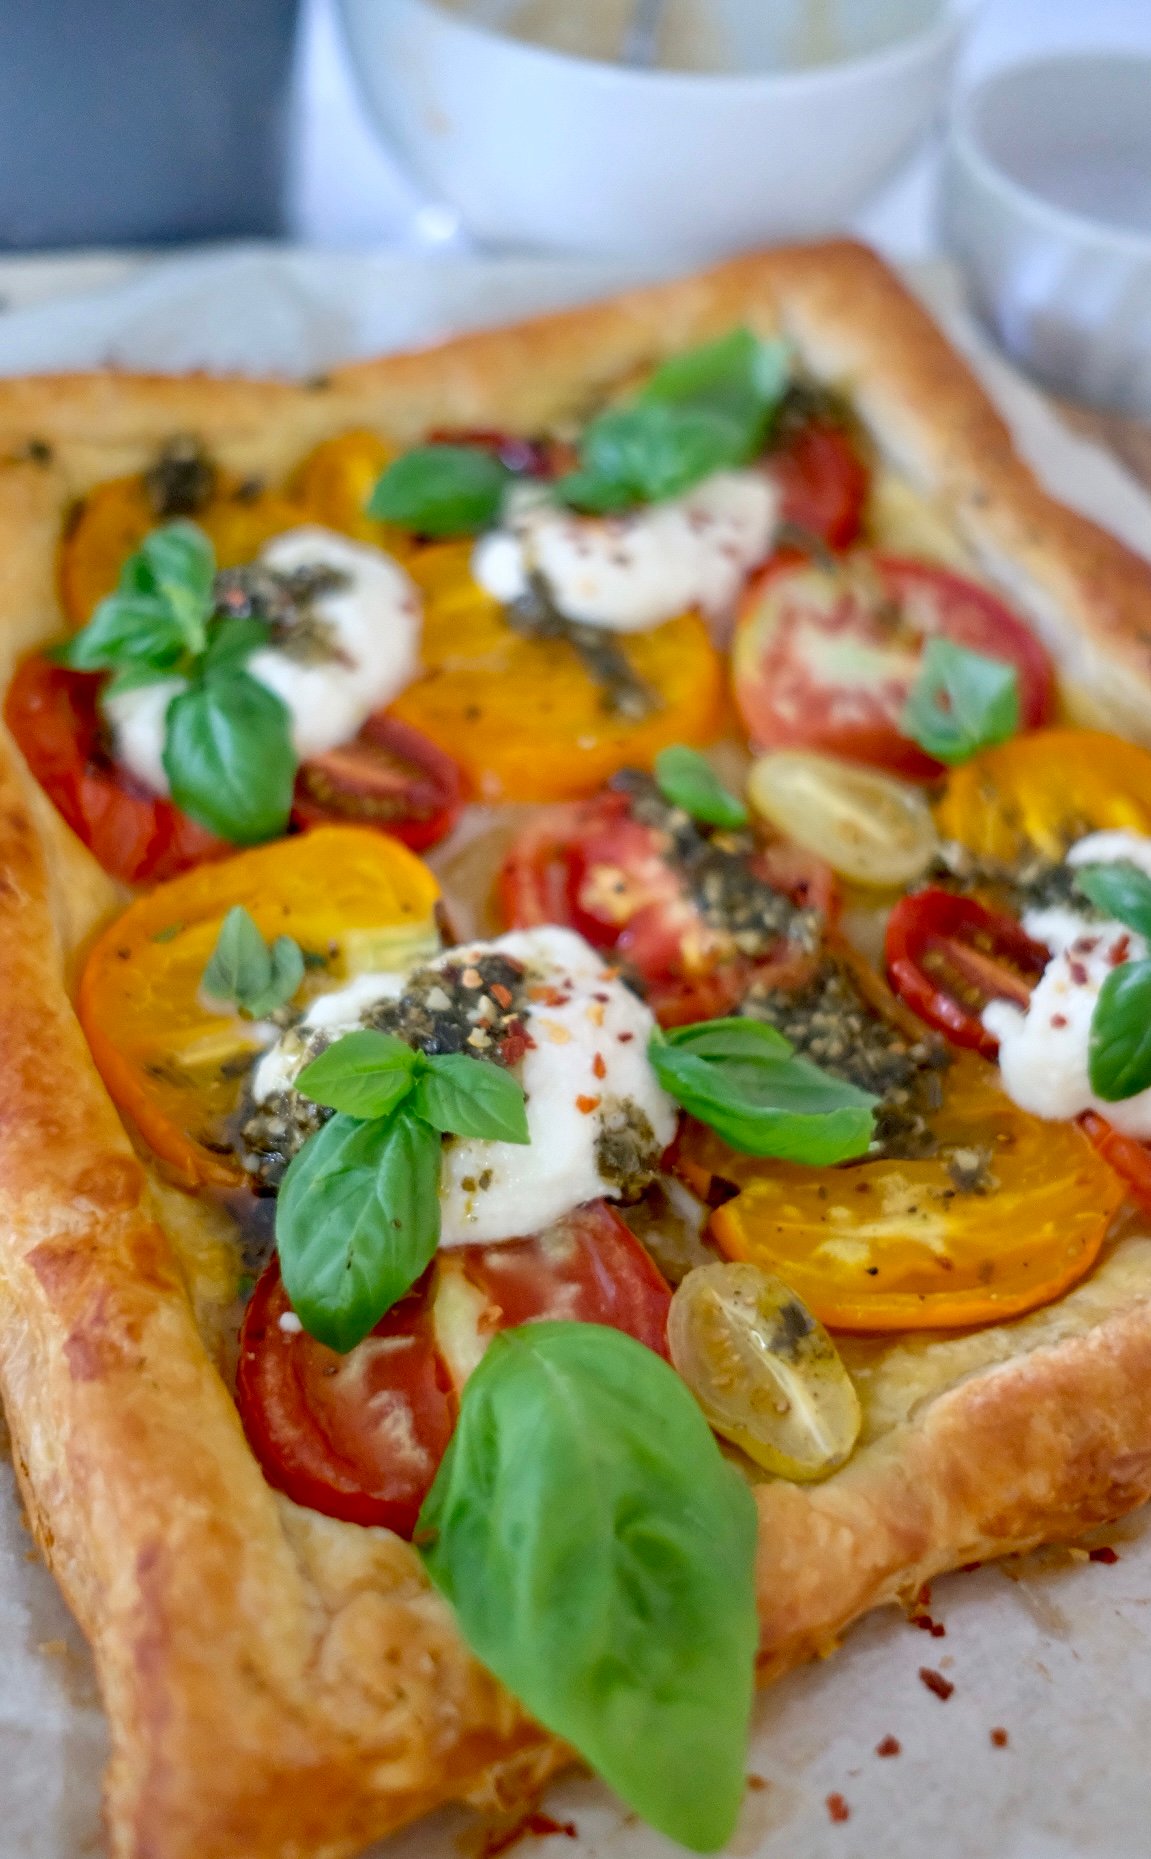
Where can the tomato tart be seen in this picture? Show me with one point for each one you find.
(576, 950)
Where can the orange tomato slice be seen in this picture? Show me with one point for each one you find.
(336, 480)
(354, 899)
(522, 715)
(1042, 791)
(893, 1245)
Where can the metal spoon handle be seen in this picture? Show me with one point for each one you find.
(641, 40)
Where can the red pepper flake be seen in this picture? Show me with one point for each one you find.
(923, 1598)
(999, 1738)
(599, 1065)
(533, 1826)
(1078, 973)
(936, 1628)
(837, 1809)
(936, 1682)
(585, 1105)
(969, 1568)
(756, 1783)
(1119, 951)
(603, 999)
(1059, 1020)
(500, 994)
(625, 1039)
(1104, 1554)
(890, 1746)
(547, 996)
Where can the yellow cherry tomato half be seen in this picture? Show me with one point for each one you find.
(1041, 792)
(1008, 1214)
(353, 899)
(764, 1370)
(522, 715)
(869, 827)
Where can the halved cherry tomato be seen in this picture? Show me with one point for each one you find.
(591, 865)
(1042, 792)
(357, 900)
(522, 715)
(391, 777)
(825, 658)
(360, 1436)
(948, 956)
(823, 482)
(902, 1245)
(136, 836)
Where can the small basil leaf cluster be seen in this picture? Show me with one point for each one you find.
(358, 1216)
(228, 751)
(1119, 1048)
(687, 780)
(708, 410)
(961, 702)
(744, 1080)
(600, 1555)
(248, 973)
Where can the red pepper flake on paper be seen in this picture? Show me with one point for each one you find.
(837, 1809)
(936, 1682)
(1104, 1554)
(999, 1738)
(890, 1746)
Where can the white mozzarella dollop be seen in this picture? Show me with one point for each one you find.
(373, 624)
(587, 1067)
(1043, 1051)
(626, 573)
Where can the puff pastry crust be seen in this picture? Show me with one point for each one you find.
(281, 1686)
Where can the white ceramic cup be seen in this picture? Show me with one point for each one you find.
(1047, 204)
(537, 149)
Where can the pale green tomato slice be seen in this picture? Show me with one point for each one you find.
(870, 827)
(764, 1370)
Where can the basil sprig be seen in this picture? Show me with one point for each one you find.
(961, 702)
(228, 751)
(687, 779)
(1119, 1045)
(358, 1215)
(600, 1556)
(744, 1080)
(706, 410)
(253, 975)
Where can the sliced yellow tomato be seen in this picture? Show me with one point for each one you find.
(522, 715)
(1007, 1215)
(336, 480)
(353, 899)
(1040, 792)
(869, 827)
(764, 1370)
(113, 519)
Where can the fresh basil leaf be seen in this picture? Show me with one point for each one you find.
(649, 452)
(1119, 890)
(441, 490)
(687, 779)
(731, 1039)
(126, 629)
(357, 1221)
(472, 1097)
(1119, 1050)
(600, 1556)
(961, 702)
(738, 375)
(365, 1074)
(243, 970)
(782, 1107)
(181, 563)
(231, 642)
(229, 758)
(132, 678)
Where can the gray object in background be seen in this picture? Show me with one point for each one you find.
(143, 121)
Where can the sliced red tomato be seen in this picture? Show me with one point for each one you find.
(390, 776)
(137, 837)
(948, 956)
(823, 482)
(591, 865)
(824, 658)
(360, 1436)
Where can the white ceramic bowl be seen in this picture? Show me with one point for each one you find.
(1047, 204)
(536, 149)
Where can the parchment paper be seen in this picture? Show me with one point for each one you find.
(1054, 1650)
